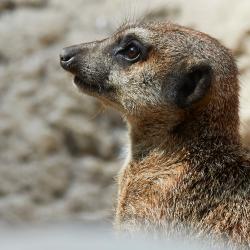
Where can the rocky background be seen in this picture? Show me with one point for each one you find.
(60, 150)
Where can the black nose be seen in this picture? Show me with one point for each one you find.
(65, 56)
(68, 57)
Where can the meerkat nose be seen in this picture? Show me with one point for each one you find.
(68, 57)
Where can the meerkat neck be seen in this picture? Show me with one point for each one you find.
(149, 136)
(152, 137)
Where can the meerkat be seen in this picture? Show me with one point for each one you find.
(178, 90)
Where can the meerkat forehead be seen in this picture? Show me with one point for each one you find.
(169, 37)
(141, 32)
(147, 30)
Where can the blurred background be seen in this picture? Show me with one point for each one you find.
(60, 151)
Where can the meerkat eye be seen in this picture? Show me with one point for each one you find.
(130, 52)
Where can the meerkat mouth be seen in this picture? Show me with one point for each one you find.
(87, 86)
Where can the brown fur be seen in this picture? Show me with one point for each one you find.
(186, 165)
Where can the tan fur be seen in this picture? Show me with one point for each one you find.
(202, 182)
(186, 167)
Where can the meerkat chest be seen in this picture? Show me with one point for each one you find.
(145, 189)
(167, 194)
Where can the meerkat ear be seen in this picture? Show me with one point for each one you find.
(190, 86)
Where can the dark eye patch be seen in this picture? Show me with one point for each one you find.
(127, 39)
(129, 49)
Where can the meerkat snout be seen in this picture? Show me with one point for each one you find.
(85, 62)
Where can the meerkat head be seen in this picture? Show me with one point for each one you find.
(155, 71)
